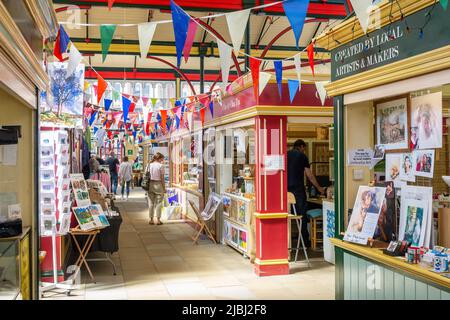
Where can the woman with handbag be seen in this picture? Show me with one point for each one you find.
(156, 187)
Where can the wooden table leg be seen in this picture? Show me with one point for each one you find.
(83, 252)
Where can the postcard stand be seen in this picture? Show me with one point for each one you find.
(46, 286)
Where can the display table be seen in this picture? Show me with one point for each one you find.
(370, 274)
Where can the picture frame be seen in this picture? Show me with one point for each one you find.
(331, 138)
(392, 123)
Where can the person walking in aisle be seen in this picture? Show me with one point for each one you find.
(157, 187)
(94, 165)
(113, 162)
(125, 176)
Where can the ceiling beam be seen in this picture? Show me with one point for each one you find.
(334, 9)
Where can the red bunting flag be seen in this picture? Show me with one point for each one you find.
(202, 115)
(254, 68)
(110, 4)
(163, 118)
(145, 100)
(310, 50)
(102, 85)
(108, 124)
(132, 106)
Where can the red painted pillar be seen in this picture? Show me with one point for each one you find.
(271, 196)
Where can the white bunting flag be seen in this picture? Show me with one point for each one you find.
(237, 23)
(225, 60)
(298, 69)
(264, 78)
(74, 60)
(320, 86)
(145, 111)
(362, 9)
(190, 118)
(146, 32)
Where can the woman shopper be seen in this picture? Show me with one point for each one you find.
(125, 176)
(156, 188)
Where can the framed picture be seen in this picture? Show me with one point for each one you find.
(392, 126)
(407, 167)
(423, 163)
(331, 138)
(426, 121)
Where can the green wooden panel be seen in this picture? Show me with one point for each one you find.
(354, 278)
(339, 270)
(379, 289)
(421, 291)
(399, 287)
(362, 274)
(388, 284)
(370, 284)
(410, 289)
(434, 293)
(347, 277)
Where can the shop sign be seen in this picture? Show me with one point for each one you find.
(391, 43)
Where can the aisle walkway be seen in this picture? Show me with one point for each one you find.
(160, 262)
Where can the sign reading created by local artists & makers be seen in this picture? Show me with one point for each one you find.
(391, 43)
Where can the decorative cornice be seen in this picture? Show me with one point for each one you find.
(40, 17)
(428, 62)
(350, 29)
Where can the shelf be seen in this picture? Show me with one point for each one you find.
(238, 223)
(237, 197)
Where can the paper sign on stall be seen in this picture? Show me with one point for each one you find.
(274, 162)
(360, 157)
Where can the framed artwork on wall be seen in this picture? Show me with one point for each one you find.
(392, 124)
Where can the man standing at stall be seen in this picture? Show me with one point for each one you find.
(297, 168)
(113, 162)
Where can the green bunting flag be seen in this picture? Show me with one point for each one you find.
(106, 34)
(444, 4)
(154, 100)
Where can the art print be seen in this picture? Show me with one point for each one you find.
(407, 167)
(426, 121)
(424, 163)
(392, 124)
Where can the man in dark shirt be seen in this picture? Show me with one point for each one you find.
(298, 167)
(113, 163)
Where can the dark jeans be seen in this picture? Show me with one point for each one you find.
(128, 187)
(114, 179)
(301, 206)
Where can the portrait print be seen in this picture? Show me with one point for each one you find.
(407, 167)
(426, 121)
(392, 124)
(424, 163)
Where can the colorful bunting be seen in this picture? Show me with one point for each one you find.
(278, 65)
(264, 78)
(106, 35)
(237, 23)
(92, 118)
(101, 87)
(254, 69)
(362, 10)
(225, 60)
(74, 59)
(192, 29)
(108, 103)
(310, 50)
(163, 118)
(125, 107)
(110, 4)
(146, 32)
(202, 115)
(180, 27)
(320, 86)
(293, 88)
(61, 44)
(296, 13)
(211, 108)
(154, 101)
(132, 106)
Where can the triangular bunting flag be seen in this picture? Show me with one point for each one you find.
(310, 50)
(106, 35)
(154, 101)
(254, 68)
(180, 28)
(125, 107)
(225, 60)
(115, 95)
(298, 69)
(102, 85)
(444, 4)
(264, 78)
(61, 44)
(296, 13)
(146, 32)
(362, 10)
(144, 101)
(107, 104)
(202, 115)
(320, 86)
(192, 29)
(92, 119)
(237, 23)
(278, 65)
(211, 108)
(132, 106)
(293, 88)
(74, 59)
(86, 85)
(110, 4)
(163, 118)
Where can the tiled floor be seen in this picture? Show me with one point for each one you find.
(160, 262)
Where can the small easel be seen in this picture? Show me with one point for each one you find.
(203, 228)
(91, 235)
